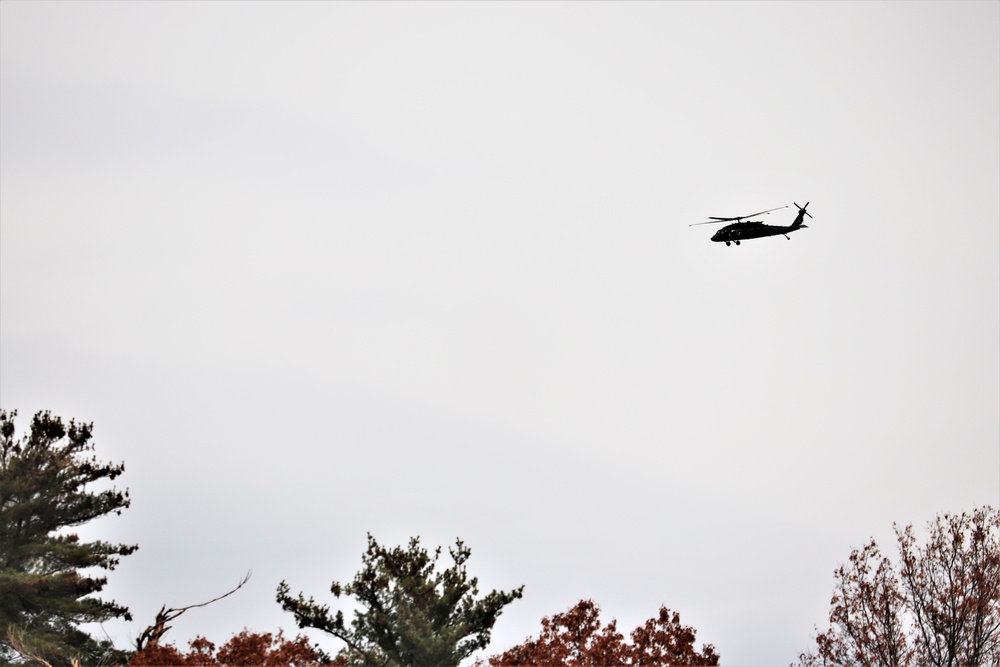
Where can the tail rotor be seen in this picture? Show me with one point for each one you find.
(802, 209)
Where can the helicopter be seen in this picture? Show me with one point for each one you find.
(754, 229)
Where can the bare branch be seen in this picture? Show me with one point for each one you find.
(17, 641)
(152, 635)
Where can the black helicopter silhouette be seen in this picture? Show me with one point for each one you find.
(754, 229)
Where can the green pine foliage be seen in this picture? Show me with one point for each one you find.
(46, 582)
(410, 613)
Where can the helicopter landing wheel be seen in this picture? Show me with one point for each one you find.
(736, 242)
(727, 243)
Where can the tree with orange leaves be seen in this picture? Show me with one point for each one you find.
(938, 606)
(663, 640)
(258, 649)
(577, 638)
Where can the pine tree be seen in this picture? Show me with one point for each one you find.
(45, 589)
(411, 614)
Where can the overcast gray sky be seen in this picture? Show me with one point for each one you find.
(320, 269)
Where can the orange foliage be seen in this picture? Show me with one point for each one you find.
(576, 638)
(940, 605)
(160, 655)
(246, 649)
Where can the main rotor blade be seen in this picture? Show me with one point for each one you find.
(713, 220)
(763, 212)
(744, 217)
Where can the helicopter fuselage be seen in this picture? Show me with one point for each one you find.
(740, 231)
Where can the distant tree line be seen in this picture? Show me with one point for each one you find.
(937, 605)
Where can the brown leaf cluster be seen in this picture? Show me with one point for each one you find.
(938, 606)
(244, 649)
(577, 638)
